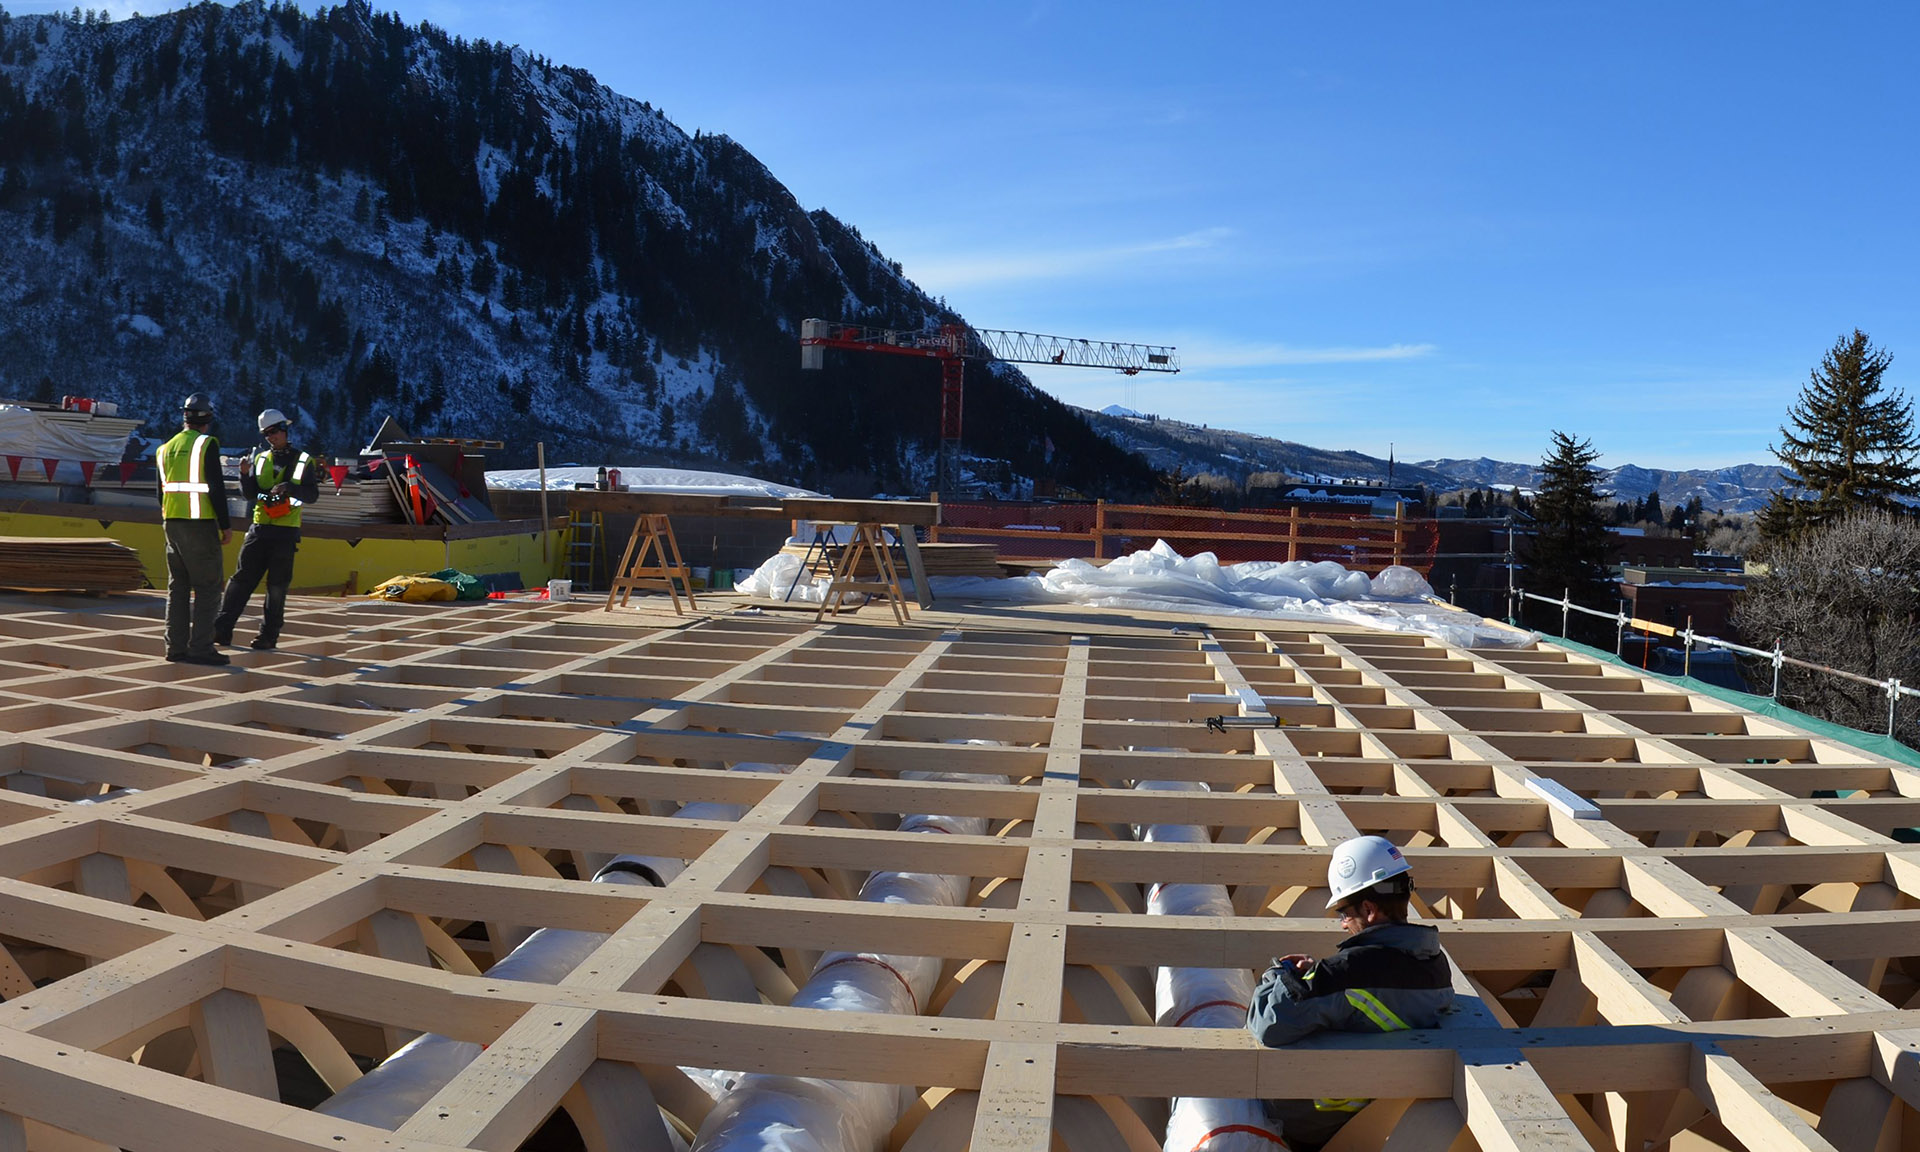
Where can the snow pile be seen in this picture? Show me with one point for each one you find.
(679, 481)
(1161, 580)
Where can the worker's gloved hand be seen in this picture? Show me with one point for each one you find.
(282, 490)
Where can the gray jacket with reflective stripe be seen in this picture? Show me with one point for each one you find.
(1383, 979)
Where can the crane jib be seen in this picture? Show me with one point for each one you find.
(954, 344)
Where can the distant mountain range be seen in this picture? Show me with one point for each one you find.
(1739, 488)
(1197, 449)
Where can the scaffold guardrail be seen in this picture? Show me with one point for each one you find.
(1623, 623)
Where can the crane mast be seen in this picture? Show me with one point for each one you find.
(954, 344)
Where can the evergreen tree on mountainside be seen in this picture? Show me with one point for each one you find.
(347, 182)
(1849, 447)
(1570, 547)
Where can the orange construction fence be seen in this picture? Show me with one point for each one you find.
(1360, 541)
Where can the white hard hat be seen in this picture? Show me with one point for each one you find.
(272, 417)
(1360, 863)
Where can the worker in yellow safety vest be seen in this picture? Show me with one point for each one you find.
(277, 481)
(193, 511)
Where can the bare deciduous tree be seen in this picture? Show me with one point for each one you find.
(1846, 596)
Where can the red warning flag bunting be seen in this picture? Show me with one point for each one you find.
(126, 470)
(51, 464)
(339, 474)
(13, 467)
(86, 471)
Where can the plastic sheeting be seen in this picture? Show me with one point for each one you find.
(1159, 579)
(681, 481)
(1202, 998)
(771, 581)
(24, 433)
(773, 1113)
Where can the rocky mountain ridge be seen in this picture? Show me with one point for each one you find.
(351, 218)
(1198, 450)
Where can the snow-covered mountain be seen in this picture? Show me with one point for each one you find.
(1741, 488)
(350, 217)
(1196, 449)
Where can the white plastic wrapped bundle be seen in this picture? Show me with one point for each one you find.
(403, 1083)
(387, 1096)
(772, 579)
(774, 1113)
(1202, 998)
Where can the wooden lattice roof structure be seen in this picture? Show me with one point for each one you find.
(322, 850)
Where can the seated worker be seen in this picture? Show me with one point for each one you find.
(1387, 976)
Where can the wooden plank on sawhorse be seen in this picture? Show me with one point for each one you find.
(652, 536)
(867, 541)
(916, 567)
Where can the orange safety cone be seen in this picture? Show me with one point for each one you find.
(413, 489)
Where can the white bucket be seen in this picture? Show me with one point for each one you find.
(559, 590)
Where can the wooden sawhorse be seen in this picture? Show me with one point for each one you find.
(867, 541)
(652, 535)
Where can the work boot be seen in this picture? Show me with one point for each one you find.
(223, 640)
(263, 643)
(210, 658)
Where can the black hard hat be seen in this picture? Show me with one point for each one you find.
(198, 404)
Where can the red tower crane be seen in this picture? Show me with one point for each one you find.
(954, 344)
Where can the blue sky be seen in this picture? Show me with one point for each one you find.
(1447, 227)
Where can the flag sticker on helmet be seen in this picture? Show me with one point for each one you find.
(1362, 862)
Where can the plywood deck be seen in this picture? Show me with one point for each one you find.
(324, 848)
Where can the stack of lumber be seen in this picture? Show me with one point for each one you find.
(119, 426)
(57, 564)
(441, 497)
(940, 559)
(356, 502)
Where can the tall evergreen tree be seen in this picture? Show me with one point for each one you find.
(1570, 543)
(1847, 446)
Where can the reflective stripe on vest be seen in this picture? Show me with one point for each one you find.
(184, 489)
(1385, 1019)
(1369, 1005)
(268, 475)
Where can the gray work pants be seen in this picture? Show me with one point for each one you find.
(194, 572)
(267, 551)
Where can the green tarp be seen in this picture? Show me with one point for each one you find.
(1879, 745)
(465, 587)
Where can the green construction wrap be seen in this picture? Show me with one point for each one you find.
(1879, 745)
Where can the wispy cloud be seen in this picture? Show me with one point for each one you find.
(946, 273)
(1212, 355)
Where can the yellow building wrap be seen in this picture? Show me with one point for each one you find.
(348, 566)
